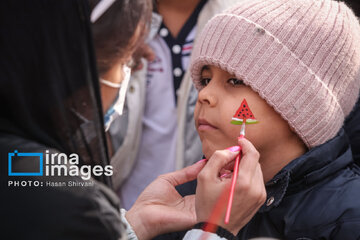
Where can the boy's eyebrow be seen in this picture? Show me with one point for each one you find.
(206, 67)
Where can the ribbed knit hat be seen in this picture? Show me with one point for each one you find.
(301, 56)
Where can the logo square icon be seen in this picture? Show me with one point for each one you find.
(15, 154)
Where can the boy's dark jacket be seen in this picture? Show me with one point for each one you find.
(316, 196)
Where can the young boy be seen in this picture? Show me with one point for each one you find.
(296, 62)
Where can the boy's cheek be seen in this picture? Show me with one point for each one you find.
(232, 133)
(196, 110)
(212, 144)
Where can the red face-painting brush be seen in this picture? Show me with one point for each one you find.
(242, 116)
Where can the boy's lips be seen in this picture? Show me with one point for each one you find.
(203, 124)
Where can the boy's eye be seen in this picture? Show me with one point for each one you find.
(235, 81)
(204, 81)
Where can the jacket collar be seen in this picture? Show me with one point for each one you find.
(315, 165)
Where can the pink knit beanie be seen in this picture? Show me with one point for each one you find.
(301, 56)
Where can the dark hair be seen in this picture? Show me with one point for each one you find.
(354, 5)
(119, 31)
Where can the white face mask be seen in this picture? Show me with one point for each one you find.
(116, 109)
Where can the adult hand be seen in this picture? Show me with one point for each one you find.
(160, 208)
(212, 190)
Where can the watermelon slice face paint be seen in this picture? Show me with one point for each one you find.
(243, 114)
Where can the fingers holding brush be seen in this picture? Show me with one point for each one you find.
(250, 191)
(212, 190)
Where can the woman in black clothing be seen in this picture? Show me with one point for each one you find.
(51, 105)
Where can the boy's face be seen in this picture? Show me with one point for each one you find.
(218, 100)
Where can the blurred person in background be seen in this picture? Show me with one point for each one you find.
(156, 133)
(52, 105)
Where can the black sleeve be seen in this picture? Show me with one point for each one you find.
(49, 211)
(60, 213)
(221, 232)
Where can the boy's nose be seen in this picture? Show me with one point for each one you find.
(207, 95)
